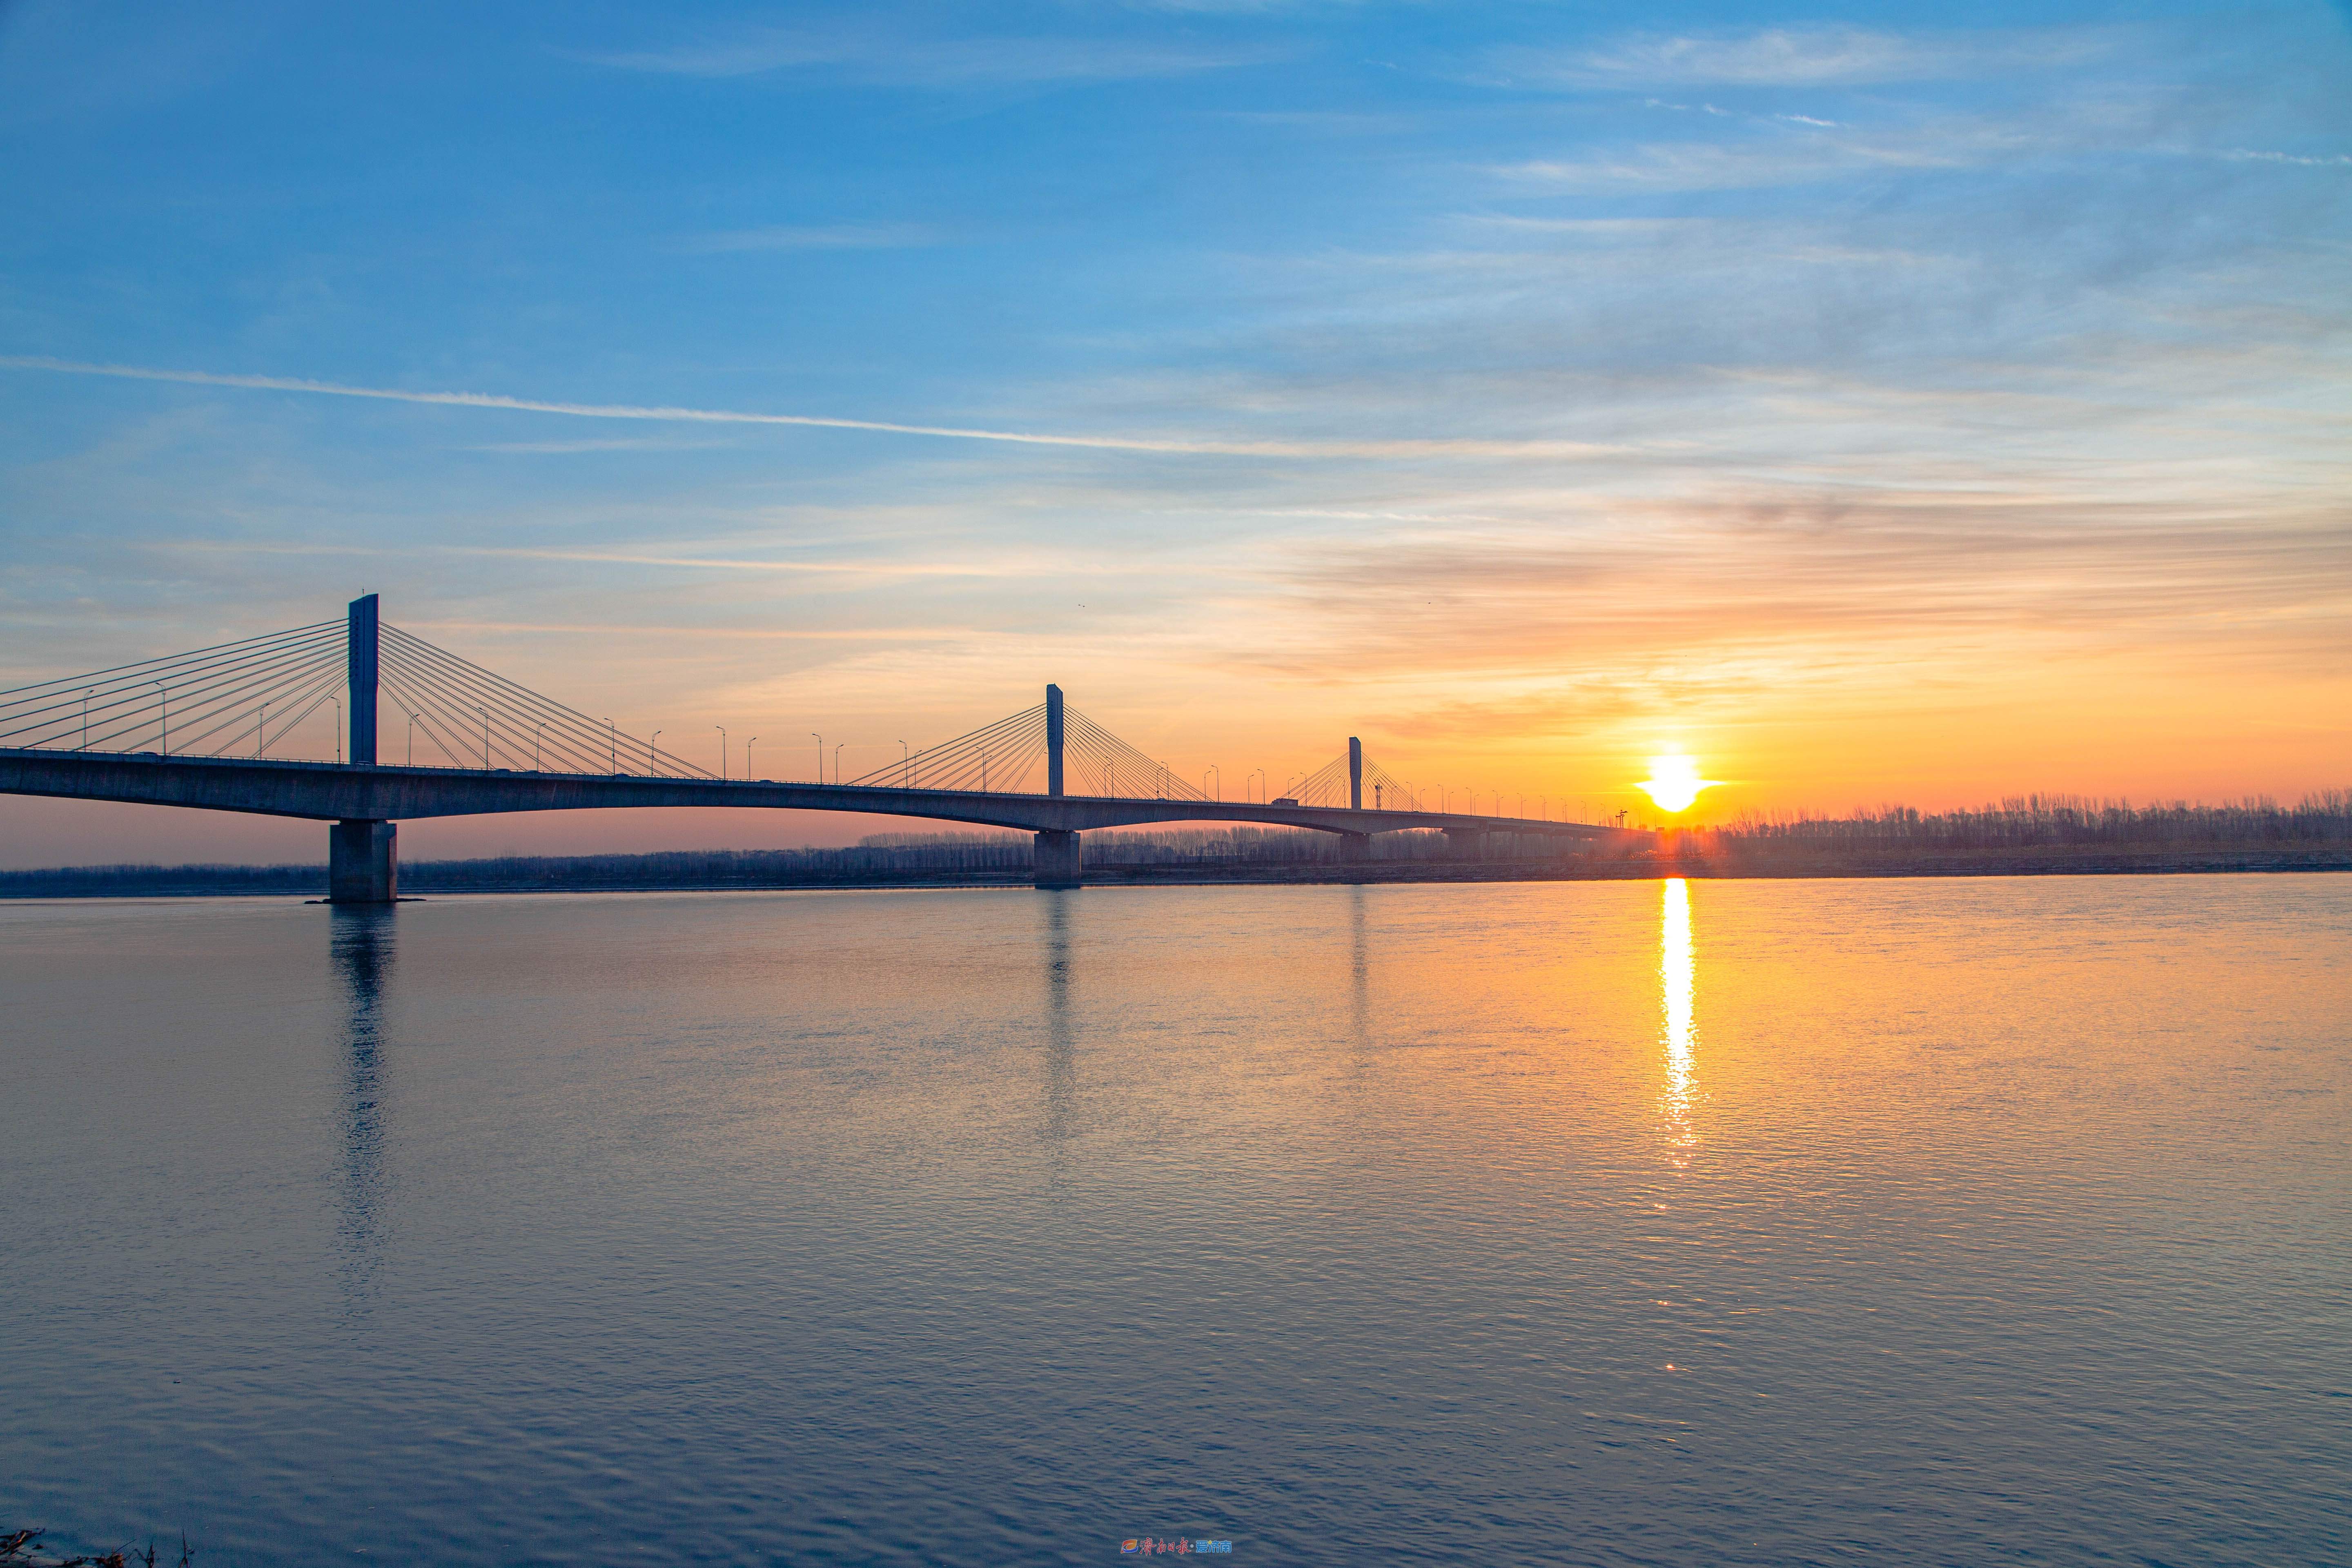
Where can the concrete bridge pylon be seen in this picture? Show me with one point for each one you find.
(362, 857)
(1057, 859)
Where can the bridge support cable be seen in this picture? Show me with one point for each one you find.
(1352, 779)
(477, 718)
(998, 758)
(1002, 757)
(205, 701)
(1384, 791)
(1108, 766)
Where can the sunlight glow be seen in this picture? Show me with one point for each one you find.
(1674, 782)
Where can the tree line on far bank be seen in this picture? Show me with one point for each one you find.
(2020, 823)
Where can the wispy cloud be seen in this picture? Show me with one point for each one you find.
(1403, 448)
(872, 58)
(2324, 160)
(1805, 56)
(816, 237)
(1771, 149)
(1745, 165)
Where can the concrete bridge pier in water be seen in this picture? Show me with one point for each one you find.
(362, 863)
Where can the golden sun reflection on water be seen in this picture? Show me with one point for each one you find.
(1675, 986)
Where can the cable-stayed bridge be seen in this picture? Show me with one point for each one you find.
(195, 729)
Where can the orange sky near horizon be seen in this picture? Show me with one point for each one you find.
(1919, 413)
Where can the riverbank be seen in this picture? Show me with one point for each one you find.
(1776, 861)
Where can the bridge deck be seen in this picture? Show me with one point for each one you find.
(330, 792)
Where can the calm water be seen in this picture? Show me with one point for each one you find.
(1979, 1221)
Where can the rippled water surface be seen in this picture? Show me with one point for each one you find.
(1968, 1221)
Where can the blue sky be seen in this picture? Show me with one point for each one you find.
(1875, 406)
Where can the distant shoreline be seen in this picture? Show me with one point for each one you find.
(1812, 864)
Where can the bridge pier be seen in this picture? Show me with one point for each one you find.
(1355, 847)
(1058, 858)
(1466, 844)
(363, 863)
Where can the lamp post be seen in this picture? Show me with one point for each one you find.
(652, 755)
(723, 751)
(163, 699)
(535, 736)
(339, 730)
(1213, 768)
(836, 760)
(261, 730)
(820, 757)
(612, 748)
(412, 740)
(906, 760)
(747, 757)
(85, 719)
(486, 735)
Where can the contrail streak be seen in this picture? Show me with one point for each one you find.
(1398, 448)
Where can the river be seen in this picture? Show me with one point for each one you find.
(1957, 1220)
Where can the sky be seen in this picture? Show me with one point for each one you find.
(1871, 408)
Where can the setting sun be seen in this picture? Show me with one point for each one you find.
(1674, 782)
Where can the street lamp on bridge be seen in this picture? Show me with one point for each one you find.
(486, 735)
(164, 698)
(723, 751)
(819, 755)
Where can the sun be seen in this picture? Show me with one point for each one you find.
(1674, 782)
